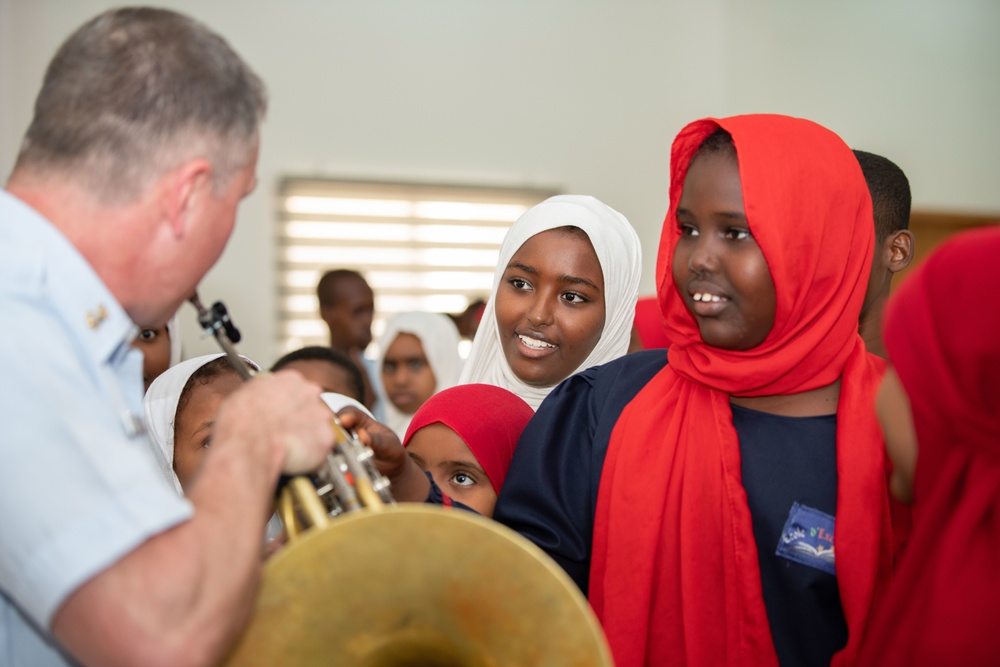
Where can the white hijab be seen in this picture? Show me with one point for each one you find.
(160, 411)
(338, 402)
(439, 337)
(620, 255)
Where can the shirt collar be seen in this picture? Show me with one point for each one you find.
(74, 289)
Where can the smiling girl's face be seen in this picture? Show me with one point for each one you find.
(719, 270)
(550, 306)
(194, 423)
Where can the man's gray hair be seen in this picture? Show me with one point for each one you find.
(137, 91)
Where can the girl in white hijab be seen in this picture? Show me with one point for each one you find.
(418, 357)
(554, 310)
(162, 404)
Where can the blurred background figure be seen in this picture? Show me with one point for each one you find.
(648, 332)
(890, 192)
(347, 305)
(161, 349)
(467, 322)
(419, 357)
(334, 371)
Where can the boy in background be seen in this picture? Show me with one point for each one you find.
(890, 192)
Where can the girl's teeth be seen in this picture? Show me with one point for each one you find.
(707, 297)
(534, 344)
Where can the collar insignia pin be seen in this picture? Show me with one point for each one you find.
(96, 317)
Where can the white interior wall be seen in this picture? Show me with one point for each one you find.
(581, 95)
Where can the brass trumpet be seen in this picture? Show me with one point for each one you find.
(394, 585)
(346, 482)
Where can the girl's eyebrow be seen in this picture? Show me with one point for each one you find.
(205, 426)
(575, 280)
(404, 360)
(737, 216)
(733, 215)
(468, 463)
(522, 267)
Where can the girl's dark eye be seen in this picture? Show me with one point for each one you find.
(463, 479)
(688, 230)
(518, 283)
(738, 234)
(147, 334)
(573, 297)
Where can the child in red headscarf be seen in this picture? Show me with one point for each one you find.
(465, 436)
(729, 507)
(940, 399)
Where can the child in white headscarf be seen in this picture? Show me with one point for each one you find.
(563, 297)
(418, 357)
(180, 403)
(180, 406)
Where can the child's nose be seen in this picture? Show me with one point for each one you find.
(704, 256)
(540, 312)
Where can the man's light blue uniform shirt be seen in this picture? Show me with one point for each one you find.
(79, 487)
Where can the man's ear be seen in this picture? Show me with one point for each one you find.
(899, 250)
(182, 190)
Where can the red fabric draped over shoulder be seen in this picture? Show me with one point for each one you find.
(674, 576)
(941, 335)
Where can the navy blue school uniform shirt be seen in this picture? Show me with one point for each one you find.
(789, 474)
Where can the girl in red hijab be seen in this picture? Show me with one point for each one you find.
(729, 507)
(465, 436)
(940, 399)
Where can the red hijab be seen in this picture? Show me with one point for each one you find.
(649, 323)
(488, 418)
(674, 576)
(942, 333)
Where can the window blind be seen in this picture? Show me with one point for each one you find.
(421, 247)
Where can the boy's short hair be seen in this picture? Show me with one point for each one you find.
(326, 289)
(331, 356)
(890, 192)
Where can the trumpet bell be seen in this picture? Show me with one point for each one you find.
(418, 585)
